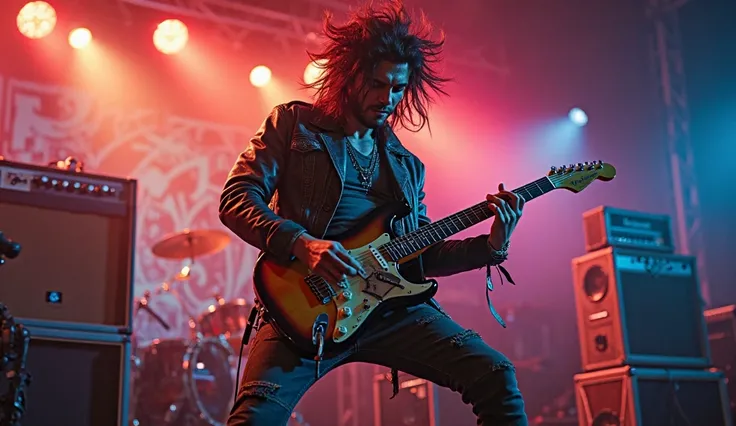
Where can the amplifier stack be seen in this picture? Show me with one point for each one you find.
(72, 288)
(642, 329)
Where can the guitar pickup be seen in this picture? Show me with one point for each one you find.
(377, 256)
(389, 279)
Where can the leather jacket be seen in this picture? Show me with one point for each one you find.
(289, 180)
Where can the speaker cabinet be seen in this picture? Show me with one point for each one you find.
(606, 226)
(78, 378)
(627, 396)
(639, 308)
(77, 233)
(418, 403)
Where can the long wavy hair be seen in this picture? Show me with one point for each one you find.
(371, 35)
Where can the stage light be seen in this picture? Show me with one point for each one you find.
(170, 36)
(260, 76)
(36, 19)
(79, 38)
(578, 116)
(314, 71)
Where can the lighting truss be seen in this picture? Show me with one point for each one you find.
(668, 62)
(288, 23)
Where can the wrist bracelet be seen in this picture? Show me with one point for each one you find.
(499, 256)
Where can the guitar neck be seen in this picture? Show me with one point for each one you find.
(425, 236)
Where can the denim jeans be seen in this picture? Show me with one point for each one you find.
(421, 341)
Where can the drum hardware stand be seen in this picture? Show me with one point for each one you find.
(143, 304)
(189, 244)
(167, 287)
(14, 343)
(216, 363)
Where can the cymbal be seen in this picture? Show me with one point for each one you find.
(190, 244)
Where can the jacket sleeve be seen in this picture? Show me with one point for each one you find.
(452, 256)
(252, 183)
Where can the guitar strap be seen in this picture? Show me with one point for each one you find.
(502, 272)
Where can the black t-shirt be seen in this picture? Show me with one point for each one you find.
(355, 202)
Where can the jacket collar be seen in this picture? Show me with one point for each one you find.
(332, 130)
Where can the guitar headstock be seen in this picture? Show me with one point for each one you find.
(577, 177)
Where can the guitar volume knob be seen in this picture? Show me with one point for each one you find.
(346, 295)
(346, 312)
(341, 330)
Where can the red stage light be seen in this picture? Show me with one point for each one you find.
(260, 76)
(79, 38)
(36, 19)
(171, 36)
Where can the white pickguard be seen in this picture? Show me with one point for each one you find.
(357, 296)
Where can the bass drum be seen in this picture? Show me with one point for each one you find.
(181, 382)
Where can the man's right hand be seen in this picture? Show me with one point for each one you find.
(328, 259)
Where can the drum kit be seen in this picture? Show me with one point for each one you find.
(190, 382)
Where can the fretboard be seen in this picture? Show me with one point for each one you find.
(415, 241)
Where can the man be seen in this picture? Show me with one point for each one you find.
(324, 166)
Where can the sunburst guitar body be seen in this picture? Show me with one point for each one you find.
(317, 315)
(304, 297)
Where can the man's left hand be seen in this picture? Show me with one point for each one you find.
(507, 208)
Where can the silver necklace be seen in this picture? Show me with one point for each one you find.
(365, 174)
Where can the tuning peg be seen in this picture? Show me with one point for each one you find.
(553, 169)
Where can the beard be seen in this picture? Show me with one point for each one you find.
(366, 116)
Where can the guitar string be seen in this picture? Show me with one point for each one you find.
(426, 232)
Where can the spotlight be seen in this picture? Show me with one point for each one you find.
(79, 38)
(578, 116)
(314, 71)
(170, 36)
(260, 76)
(36, 19)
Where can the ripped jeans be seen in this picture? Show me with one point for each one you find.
(421, 341)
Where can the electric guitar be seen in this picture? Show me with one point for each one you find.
(318, 316)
